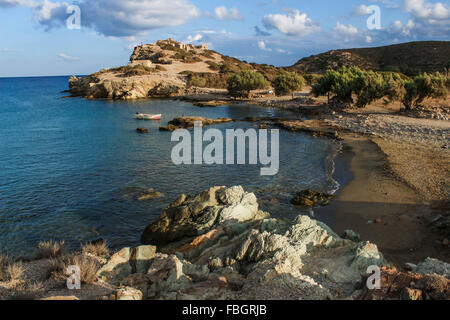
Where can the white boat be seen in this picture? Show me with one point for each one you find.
(143, 116)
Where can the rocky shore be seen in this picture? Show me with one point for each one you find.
(220, 245)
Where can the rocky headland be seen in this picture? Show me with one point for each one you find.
(167, 69)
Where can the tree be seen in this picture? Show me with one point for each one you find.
(287, 83)
(366, 86)
(341, 83)
(241, 83)
(424, 86)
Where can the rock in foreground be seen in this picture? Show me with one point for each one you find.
(219, 245)
(310, 198)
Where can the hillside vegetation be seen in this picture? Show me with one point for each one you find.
(348, 86)
(410, 58)
(405, 73)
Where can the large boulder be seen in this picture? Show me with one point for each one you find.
(218, 245)
(194, 216)
(433, 266)
(310, 198)
(126, 262)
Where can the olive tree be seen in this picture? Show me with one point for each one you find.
(241, 83)
(287, 83)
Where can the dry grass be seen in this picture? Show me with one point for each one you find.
(31, 292)
(4, 262)
(50, 249)
(15, 271)
(56, 268)
(99, 249)
(88, 267)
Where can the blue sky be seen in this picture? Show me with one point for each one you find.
(35, 39)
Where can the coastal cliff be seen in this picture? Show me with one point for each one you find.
(154, 70)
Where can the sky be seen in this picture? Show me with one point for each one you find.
(51, 37)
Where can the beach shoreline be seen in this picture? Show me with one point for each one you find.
(383, 208)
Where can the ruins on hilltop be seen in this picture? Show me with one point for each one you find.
(157, 53)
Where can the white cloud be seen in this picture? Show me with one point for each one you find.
(401, 28)
(369, 39)
(362, 10)
(67, 58)
(427, 20)
(17, 3)
(7, 50)
(263, 47)
(293, 23)
(387, 3)
(422, 9)
(193, 38)
(208, 31)
(344, 30)
(116, 18)
(223, 13)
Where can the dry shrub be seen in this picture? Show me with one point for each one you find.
(4, 261)
(88, 267)
(56, 268)
(50, 249)
(98, 249)
(15, 271)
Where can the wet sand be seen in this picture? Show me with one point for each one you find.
(382, 208)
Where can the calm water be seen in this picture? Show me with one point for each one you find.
(72, 168)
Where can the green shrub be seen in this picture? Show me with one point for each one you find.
(160, 68)
(340, 83)
(392, 69)
(268, 71)
(213, 65)
(425, 86)
(287, 83)
(207, 79)
(208, 54)
(367, 86)
(242, 82)
(311, 78)
(186, 57)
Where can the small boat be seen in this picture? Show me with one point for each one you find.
(143, 116)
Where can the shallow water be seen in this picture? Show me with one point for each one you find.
(72, 168)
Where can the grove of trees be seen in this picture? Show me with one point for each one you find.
(353, 86)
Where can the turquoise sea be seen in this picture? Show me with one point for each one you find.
(72, 168)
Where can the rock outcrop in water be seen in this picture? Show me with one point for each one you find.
(310, 198)
(189, 122)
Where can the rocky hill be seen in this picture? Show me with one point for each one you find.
(163, 69)
(169, 68)
(409, 58)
